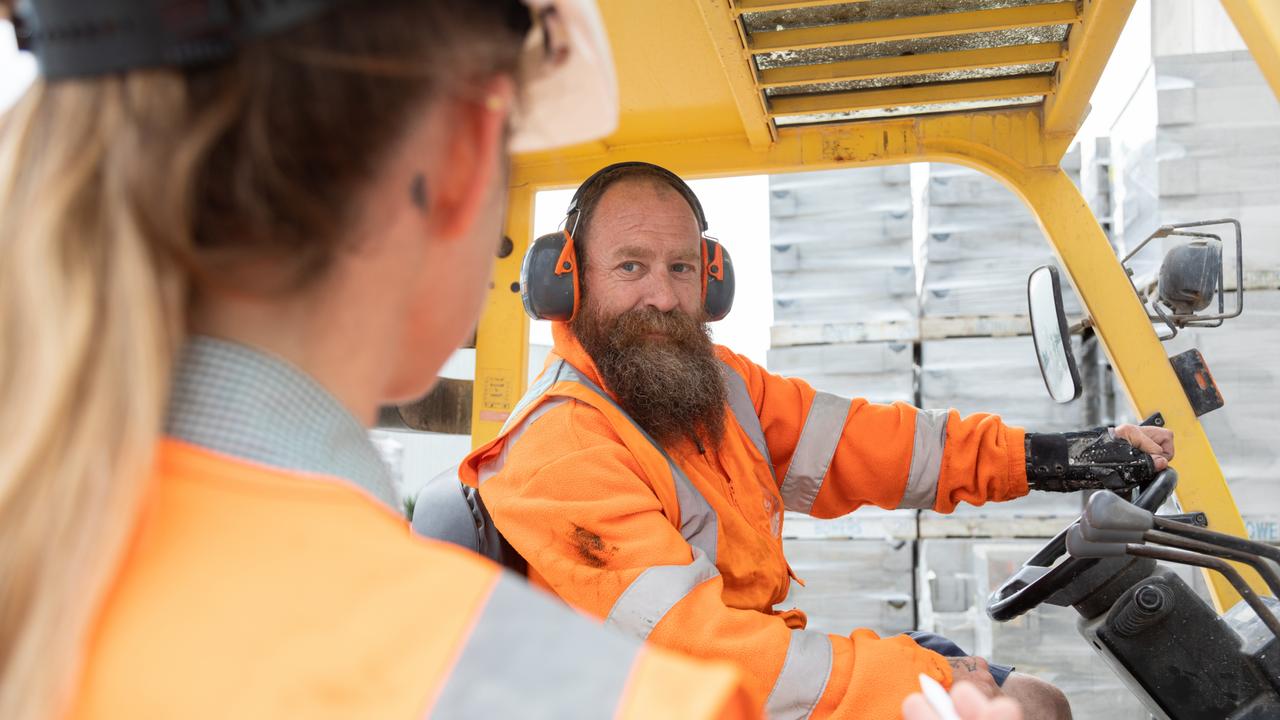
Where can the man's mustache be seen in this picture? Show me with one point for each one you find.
(646, 321)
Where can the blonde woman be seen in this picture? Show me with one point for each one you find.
(228, 233)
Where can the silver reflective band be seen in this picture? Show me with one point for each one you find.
(699, 525)
(532, 657)
(744, 411)
(803, 678)
(535, 391)
(817, 445)
(649, 597)
(926, 459)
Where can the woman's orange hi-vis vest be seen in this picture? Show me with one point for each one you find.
(250, 592)
(682, 545)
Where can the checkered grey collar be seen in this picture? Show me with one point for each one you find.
(239, 401)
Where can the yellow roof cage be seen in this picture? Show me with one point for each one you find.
(734, 87)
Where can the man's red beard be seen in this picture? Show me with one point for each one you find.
(662, 368)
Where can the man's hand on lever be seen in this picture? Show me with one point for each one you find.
(1115, 459)
(1154, 441)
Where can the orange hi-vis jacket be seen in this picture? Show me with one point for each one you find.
(682, 545)
(253, 592)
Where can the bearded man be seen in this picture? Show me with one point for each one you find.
(644, 476)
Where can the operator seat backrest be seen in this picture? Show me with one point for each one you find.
(448, 511)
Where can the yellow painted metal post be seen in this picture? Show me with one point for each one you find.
(1259, 24)
(502, 338)
(1135, 353)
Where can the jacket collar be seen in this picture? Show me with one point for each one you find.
(567, 347)
(243, 402)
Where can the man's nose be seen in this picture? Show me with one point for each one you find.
(661, 293)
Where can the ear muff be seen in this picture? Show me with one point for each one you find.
(549, 278)
(717, 279)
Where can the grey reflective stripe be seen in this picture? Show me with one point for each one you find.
(926, 459)
(539, 388)
(803, 678)
(649, 597)
(532, 657)
(744, 411)
(817, 445)
(698, 523)
(491, 467)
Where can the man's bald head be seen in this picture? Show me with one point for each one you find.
(636, 178)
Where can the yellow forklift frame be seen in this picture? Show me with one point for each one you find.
(693, 100)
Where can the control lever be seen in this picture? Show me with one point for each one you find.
(1081, 547)
(1108, 518)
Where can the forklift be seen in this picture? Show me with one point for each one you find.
(719, 88)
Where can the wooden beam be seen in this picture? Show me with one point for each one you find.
(446, 409)
(922, 26)
(900, 65)
(972, 90)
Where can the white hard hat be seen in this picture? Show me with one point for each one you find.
(571, 90)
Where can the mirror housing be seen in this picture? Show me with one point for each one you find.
(1050, 334)
(1190, 276)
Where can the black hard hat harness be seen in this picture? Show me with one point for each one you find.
(73, 38)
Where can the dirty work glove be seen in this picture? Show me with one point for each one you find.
(1085, 460)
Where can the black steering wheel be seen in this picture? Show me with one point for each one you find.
(1039, 578)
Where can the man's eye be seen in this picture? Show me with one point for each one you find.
(629, 267)
(682, 268)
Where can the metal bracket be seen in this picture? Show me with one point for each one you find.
(1175, 321)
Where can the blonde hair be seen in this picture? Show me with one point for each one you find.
(118, 196)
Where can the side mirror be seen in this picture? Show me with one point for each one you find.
(1049, 331)
(1190, 277)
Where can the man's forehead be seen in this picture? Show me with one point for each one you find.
(651, 194)
(643, 212)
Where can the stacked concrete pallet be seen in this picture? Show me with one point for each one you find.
(1218, 147)
(845, 319)
(841, 248)
(1201, 142)
(842, 256)
(978, 243)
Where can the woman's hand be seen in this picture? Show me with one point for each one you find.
(971, 704)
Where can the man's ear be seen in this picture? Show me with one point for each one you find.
(472, 150)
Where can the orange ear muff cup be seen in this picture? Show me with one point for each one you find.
(718, 280)
(549, 278)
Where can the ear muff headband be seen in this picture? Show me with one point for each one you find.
(549, 282)
(574, 213)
